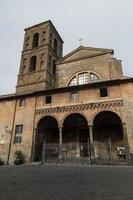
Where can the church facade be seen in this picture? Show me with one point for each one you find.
(76, 108)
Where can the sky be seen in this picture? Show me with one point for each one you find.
(100, 23)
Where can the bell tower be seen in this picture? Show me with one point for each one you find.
(41, 49)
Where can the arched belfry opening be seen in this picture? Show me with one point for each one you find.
(46, 133)
(108, 136)
(75, 136)
(54, 67)
(32, 64)
(35, 40)
(55, 45)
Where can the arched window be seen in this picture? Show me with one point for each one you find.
(54, 67)
(73, 81)
(35, 40)
(32, 64)
(50, 60)
(94, 78)
(55, 45)
(23, 69)
(84, 78)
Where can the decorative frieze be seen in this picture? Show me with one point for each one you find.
(82, 107)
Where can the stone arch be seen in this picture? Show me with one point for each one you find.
(108, 135)
(102, 110)
(47, 132)
(66, 115)
(44, 115)
(74, 125)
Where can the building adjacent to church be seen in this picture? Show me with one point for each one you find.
(68, 109)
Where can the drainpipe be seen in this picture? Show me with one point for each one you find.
(33, 134)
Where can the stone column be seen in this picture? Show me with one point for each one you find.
(60, 144)
(92, 155)
(34, 144)
(126, 142)
(77, 142)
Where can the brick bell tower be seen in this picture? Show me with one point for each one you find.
(41, 49)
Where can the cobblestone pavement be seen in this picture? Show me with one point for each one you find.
(31, 182)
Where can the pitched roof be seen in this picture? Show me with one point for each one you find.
(90, 52)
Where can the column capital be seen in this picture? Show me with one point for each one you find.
(123, 124)
(60, 127)
(60, 124)
(90, 125)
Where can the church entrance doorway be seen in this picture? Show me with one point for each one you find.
(75, 138)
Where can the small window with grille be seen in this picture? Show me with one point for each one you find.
(103, 92)
(18, 134)
(21, 102)
(48, 99)
(74, 96)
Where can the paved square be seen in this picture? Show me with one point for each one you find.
(66, 182)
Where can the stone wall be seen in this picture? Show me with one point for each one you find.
(105, 66)
(7, 108)
(127, 94)
(24, 116)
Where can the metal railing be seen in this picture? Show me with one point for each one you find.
(80, 153)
